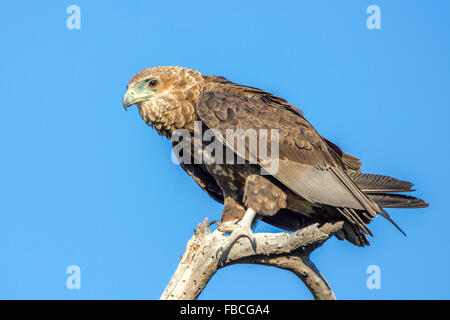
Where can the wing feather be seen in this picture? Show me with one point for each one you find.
(306, 165)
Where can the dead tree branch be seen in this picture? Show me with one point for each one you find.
(282, 250)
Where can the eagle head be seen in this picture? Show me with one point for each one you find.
(165, 96)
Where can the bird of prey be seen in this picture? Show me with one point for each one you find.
(315, 181)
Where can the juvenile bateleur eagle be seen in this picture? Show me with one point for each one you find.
(315, 182)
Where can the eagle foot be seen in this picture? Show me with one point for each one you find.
(241, 228)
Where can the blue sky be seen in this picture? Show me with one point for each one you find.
(85, 183)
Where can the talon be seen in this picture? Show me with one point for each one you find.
(227, 227)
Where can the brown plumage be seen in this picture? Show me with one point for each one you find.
(314, 182)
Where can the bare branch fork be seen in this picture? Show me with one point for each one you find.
(291, 252)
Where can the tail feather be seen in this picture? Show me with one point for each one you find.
(374, 183)
(397, 201)
(382, 190)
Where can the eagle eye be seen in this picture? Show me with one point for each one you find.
(153, 83)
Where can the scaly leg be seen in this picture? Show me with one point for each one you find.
(237, 230)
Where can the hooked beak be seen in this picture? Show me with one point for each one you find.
(135, 95)
(129, 99)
